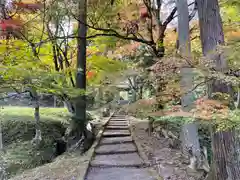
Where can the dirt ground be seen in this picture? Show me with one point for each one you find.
(169, 163)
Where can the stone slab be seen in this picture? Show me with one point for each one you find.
(118, 174)
(121, 123)
(117, 127)
(115, 133)
(117, 160)
(118, 119)
(116, 148)
(119, 115)
(116, 140)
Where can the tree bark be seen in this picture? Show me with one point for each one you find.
(54, 101)
(160, 43)
(1, 137)
(225, 144)
(80, 110)
(189, 134)
(133, 85)
(226, 157)
(35, 100)
(237, 104)
(79, 122)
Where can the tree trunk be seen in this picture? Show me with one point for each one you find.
(189, 134)
(140, 96)
(133, 85)
(35, 100)
(134, 95)
(225, 145)
(1, 137)
(226, 156)
(237, 103)
(99, 97)
(79, 122)
(3, 173)
(160, 51)
(80, 110)
(54, 101)
(69, 106)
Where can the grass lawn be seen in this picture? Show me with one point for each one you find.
(18, 128)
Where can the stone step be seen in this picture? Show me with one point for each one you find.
(116, 127)
(117, 160)
(110, 123)
(119, 115)
(123, 118)
(116, 140)
(116, 133)
(116, 148)
(118, 174)
(118, 119)
(122, 124)
(117, 152)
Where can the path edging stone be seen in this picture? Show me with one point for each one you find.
(91, 151)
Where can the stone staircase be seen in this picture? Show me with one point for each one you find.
(116, 156)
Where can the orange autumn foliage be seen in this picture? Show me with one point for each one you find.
(30, 6)
(10, 23)
(205, 109)
(13, 24)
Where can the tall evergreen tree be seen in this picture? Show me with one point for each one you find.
(225, 143)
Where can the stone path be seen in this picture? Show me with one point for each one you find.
(116, 156)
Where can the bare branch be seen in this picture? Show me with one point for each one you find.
(170, 17)
(112, 32)
(193, 13)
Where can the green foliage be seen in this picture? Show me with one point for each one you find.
(18, 127)
(230, 13)
(231, 122)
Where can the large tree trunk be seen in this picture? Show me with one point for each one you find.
(189, 134)
(226, 159)
(1, 137)
(80, 110)
(225, 144)
(79, 124)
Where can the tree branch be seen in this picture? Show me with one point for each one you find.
(170, 17)
(193, 13)
(112, 32)
(150, 24)
(131, 84)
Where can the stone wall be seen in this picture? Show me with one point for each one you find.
(45, 100)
